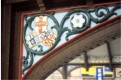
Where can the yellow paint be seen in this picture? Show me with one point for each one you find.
(92, 71)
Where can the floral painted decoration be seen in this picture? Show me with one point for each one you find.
(78, 21)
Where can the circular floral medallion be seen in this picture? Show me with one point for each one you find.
(78, 20)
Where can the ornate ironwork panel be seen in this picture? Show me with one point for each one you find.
(45, 31)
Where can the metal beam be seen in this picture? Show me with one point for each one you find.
(64, 72)
(110, 55)
(86, 60)
(96, 64)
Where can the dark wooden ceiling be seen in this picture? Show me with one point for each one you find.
(27, 5)
(50, 4)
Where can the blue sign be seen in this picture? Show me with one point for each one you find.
(99, 73)
(107, 69)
